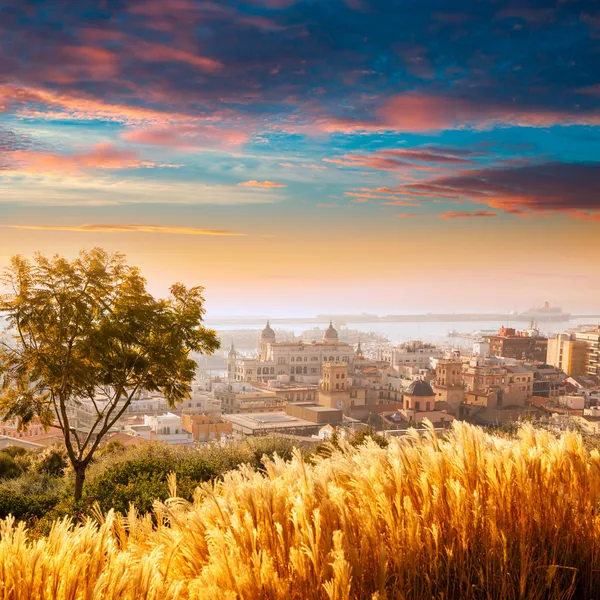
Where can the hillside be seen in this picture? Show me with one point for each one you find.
(468, 516)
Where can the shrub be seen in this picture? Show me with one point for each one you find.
(139, 474)
(9, 468)
(51, 461)
(29, 496)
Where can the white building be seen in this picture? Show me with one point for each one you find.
(299, 360)
(167, 428)
(411, 354)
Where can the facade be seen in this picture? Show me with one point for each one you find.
(246, 402)
(166, 428)
(420, 403)
(411, 354)
(449, 385)
(206, 428)
(289, 391)
(567, 354)
(300, 361)
(591, 338)
(548, 381)
(512, 385)
(301, 419)
(520, 345)
(334, 389)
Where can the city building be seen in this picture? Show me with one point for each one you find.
(506, 385)
(567, 354)
(34, 432)
(548, 381)
(301, 361)
(205, 428)
(591, 338)
(449, 385)
(299, 419)
(420, 403)
(520, 345)
(233, 402)
(411, 354)
(166, 428)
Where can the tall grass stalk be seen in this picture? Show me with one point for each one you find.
(469, 516)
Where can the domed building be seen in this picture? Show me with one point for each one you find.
(267, 336)
(293, 360)
(331, 335)
(419, 396)
(420, 403)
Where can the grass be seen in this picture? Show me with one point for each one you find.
(469, 515)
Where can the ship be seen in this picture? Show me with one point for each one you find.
(546, 313)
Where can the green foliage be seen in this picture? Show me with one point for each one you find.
(51, 461)
(15, 451)
(139, 474)
(9, 468)
(89, 329)
(30, 496)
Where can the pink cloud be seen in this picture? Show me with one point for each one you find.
(262, 184)
(31, 101)
(186, 137)
(164, 53)
(100, 156)
(416, 112)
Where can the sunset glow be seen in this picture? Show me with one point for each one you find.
(303, 156)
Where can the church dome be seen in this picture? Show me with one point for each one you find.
(331, 334)
(419, 388)
(267, 333)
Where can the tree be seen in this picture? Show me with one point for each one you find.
(87, 330)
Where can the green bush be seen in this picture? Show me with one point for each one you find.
(52, 461)
(9, 468)
(29, 496)
(139, 474)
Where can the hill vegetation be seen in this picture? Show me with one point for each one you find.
(470, 515)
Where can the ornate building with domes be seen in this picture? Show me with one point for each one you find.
(298, 360)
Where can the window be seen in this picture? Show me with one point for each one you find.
(417, 405)
(292, 359)
(337, 386)
(305, 370)
(337, 375)
(428, 405)
(305, 358)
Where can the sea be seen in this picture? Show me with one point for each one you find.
(427, 331)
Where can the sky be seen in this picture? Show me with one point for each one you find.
(298, 157)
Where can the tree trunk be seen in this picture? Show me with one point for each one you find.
(79, 481)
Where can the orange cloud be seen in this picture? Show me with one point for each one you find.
(261, 184)
(96, 228)
(468, 215)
